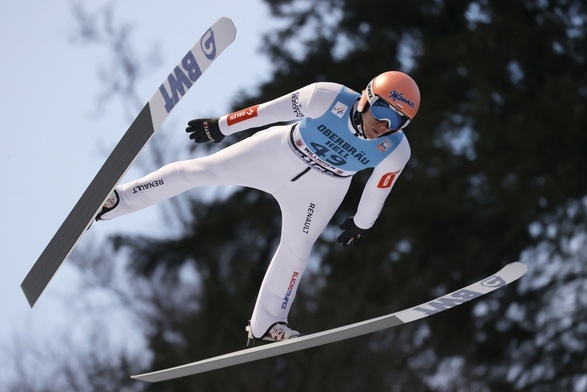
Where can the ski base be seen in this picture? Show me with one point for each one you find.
(506, 275)
(174, 87)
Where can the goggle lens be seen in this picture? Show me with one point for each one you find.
(382, 111)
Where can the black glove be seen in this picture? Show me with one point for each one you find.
(203, 130)
(352, 235)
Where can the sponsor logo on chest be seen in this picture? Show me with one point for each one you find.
(339, 109)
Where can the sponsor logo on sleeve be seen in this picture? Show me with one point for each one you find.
(296, 105)
(387, 180)
(242, 115)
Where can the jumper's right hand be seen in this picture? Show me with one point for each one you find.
(203, 130)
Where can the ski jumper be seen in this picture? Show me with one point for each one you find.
(306, 166)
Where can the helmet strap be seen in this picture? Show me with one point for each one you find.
(357, 121)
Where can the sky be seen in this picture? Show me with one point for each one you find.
(54, 140)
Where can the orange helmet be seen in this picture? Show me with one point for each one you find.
(397, 89)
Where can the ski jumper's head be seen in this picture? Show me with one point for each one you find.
(391, 98)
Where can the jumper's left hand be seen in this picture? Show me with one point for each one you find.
(352, 234)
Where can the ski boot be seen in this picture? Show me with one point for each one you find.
(276, 333)
(111, 202)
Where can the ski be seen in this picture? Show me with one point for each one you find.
(506, 275)
(217, 38)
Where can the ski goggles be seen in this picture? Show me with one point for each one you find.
(383, 111)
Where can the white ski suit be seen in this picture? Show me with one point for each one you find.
(306, 165)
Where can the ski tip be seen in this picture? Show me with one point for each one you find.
(516, 268)
(227, 26)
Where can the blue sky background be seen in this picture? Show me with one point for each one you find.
(54, 140)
